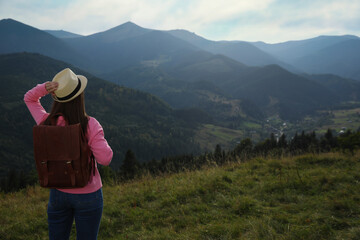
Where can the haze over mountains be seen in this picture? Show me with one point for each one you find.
(325, 54)
(172, 64)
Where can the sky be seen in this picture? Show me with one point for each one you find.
(271, 21)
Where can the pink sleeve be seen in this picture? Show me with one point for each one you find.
(32, 101)
(98, 144)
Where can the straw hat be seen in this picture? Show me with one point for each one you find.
(70, 85)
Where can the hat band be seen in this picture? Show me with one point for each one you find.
(72, 93)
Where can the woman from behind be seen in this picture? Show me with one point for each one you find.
(83, 204)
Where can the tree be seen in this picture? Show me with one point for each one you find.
(282, 143)
(328, 141)
(218, 151)
(349, 141)
(130, 166)
(244, 148)
(218, 154)
(272, 142)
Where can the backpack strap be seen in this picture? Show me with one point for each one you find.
(45, 173)
(70, 170)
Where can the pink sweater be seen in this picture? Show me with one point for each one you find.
(97, 142)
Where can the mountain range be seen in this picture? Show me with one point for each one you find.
(324, 54)
(170, 64)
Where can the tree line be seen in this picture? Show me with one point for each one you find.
(131, 168)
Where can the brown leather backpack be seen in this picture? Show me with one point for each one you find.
(62, 156)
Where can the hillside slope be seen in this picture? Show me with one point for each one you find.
(306, 197)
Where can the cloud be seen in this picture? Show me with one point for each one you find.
(267, 20)
(88, 16)
(291, 20)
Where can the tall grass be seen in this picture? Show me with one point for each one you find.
(304, 197)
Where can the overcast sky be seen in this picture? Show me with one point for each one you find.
(270, 21)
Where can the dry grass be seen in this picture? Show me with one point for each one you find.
(305, 197)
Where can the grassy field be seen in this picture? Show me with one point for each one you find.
(305, 197)
(349, 119)
(209, 135)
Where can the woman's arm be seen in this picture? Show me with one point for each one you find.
(97, 142)
(32, 100)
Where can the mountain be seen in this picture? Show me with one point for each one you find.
(19, 37)
(115, 34)
(243, 52)
(277, 90)
(62, 34)
(291, 50)
(128, 45)
(325, 54)
(131, 119)
(273, 89)
(345, 89)
(341, 59)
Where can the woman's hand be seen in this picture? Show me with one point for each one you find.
(51, 87)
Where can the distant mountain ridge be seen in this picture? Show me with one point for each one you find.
(241, 51)
(63, 34)
(123, 31)
(341, 59)
(110, 52)
(291, 50)
(324, 54)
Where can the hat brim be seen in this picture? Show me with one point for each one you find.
(83, 81)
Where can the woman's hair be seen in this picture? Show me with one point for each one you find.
(73, 111)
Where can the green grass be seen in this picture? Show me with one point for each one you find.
(209, 135)
(305, 197)
(252, 125)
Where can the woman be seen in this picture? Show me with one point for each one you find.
(82, 204)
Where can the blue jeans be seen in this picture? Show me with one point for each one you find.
(64, 207)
